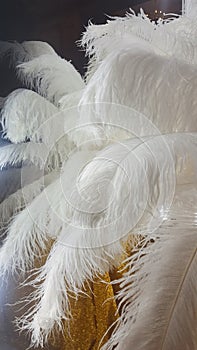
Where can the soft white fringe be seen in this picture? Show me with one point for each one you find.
(171, 38)
(158, 291)
(70, 100)
(150, 95)
(51, 76)
(28, 116)
(23, 114)
(25, 51)
(90, 212)
(32, 228)
(47, 157)
(190, 8)
(26, 153)
(22, 244)
(2, 101)
(67, 267)
(111, 204)
(22, 197)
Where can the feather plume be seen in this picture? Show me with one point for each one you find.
(171, 38)
(2, 101)
(22, 197)
(32, 228)
(25, 51)
(19, 251)
(12, 179)
(98, 202)
(70, 100)
(10, 182)
(68, 265)
(22, 244)
(48, 157)
(158, 291)
(190, 8)
(26, 153)
(51, 76)
(23, 114)
(113, 101)
(100, 210)
(28, 116)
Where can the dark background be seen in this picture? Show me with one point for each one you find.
(61, 23)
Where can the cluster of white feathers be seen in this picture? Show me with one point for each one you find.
(117, 159)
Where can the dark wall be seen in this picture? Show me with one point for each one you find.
(60, 23)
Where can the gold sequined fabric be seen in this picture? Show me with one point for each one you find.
(93, 314)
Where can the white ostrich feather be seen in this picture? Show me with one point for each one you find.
(2, 101)
(114, 97)
(22, 245)
(67, 267)
(19, 251)
(23, 114)
(41, 220)
(51, 76)
(13, 178)
(164, 38)
(106, 204)
(22, 197)
(36, 49)
(44, 156)
(26, 153)
(142, 89)
(28, 116)
(25, 51)
(70, 100)
(158, 291)
(190, 8)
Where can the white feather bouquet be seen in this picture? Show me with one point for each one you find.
(118, 159)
